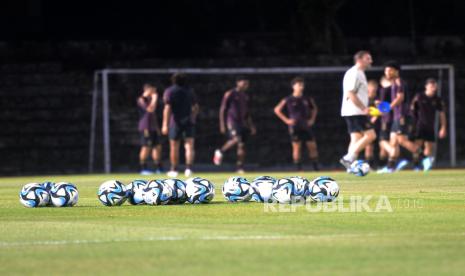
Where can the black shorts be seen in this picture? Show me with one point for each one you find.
(425, 133)
(238, 132)
(176, 132)
(385, 131)
(400, 126)
(358, 123)
(149, 138)
(301, 135)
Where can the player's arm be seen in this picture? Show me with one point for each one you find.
(153, 104)
(278, 110)
(400, 96)
(166, 117)
(223, 107)
(443, 122)
(195, 110)
(314, 112)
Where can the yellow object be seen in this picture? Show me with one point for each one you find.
(374, 112)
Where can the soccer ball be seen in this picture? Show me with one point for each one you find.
(261, 188)
(64, 194)
(283, 190)
(112, 193)
(360, 168)
(323, 189)
(199, 190)
(135, 192)
(34, 195)
(158, 193)
(300, 187)
(48, 187)
(179, 190)
(237, 189)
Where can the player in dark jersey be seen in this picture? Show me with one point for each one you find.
(236, 122)
(393, 90)
(424, 107)
(301, 116)
(149, 129)
(179, 116)
(372, 86)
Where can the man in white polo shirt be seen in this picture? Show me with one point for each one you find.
(355, 108)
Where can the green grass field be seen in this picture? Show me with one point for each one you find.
(424, 234)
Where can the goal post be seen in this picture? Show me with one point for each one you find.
(102, 90)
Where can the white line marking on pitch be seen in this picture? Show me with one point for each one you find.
(211, 238)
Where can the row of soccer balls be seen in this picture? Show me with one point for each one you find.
(193, 190)
(199, 190)
(59, 194)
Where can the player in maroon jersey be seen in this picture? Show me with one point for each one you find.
(236, 122)
(301, 115)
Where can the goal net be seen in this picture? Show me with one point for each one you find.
(114, 140)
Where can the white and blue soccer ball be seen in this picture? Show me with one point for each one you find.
(112, 193)
(283, 190)
(48, 185)
(179, 190)
(34, 195)
(360, 168)
(323, 189)
(300, 187)
(135, 192)
(237, 189)
(158, 193)
(261, 188)
(64, 194)
(199, 190)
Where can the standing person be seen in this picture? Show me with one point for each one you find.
(302, 112)
(236, 122)
(354, 108)
(179, 116)
(424, 107)
(393, 88)
(149, 129)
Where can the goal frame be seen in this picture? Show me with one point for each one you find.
(101, 87)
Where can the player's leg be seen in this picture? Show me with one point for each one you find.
(383, 155)
(190, 155)
(241, 153)
(297, 154)
(368, 137)
(429, 158)
(418, 157)
(157, 158)
(174, 136)
(312, 148)
(189, 147)
(361, 133)
(230, 143)
(313, 154)
(143, 156)
(174, 157)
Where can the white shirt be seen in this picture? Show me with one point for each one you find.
(354, 80)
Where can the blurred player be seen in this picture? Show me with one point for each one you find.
(396, 122)
(372, 87)
(149, 129)
(179, 116)
(236, 122)
(424, 107)
(354, 108)
(301, 117)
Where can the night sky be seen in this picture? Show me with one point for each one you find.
(204, 19)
